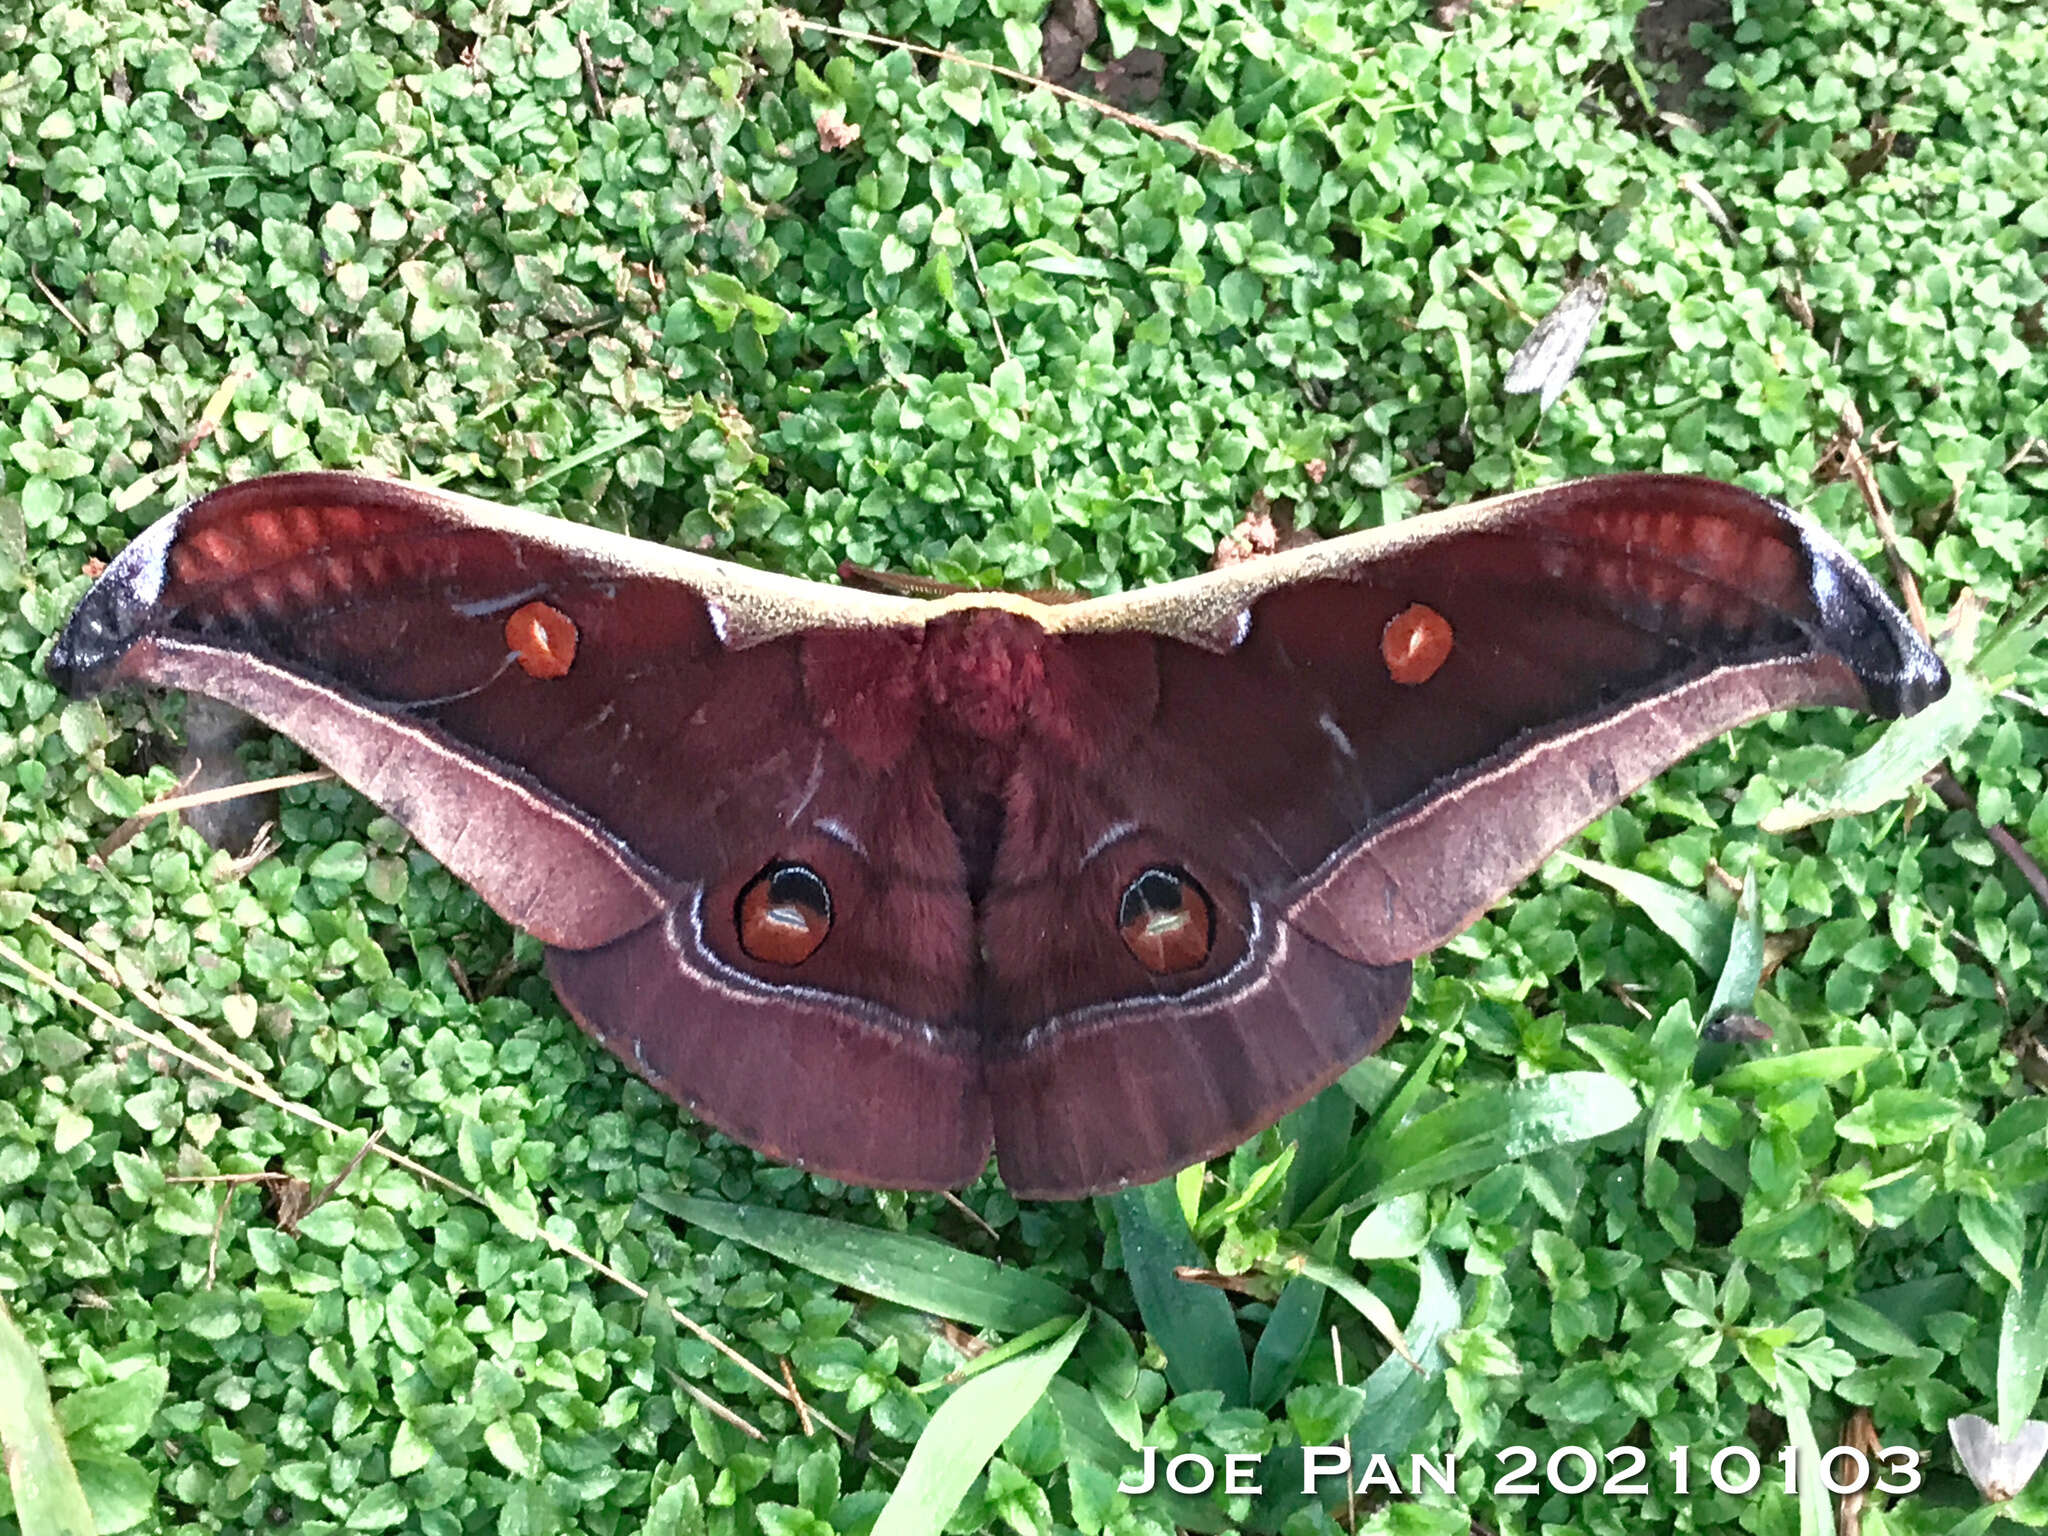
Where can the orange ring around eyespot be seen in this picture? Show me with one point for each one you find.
(1416, 642)
(543, 639)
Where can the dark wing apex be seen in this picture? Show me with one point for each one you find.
(246, 596)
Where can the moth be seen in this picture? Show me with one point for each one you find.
(1546, 360)
(876, 884)
(2000, 1467)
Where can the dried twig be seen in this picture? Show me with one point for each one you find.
(712, 1405)
(2033, 451)
(1859, 1434)
(803, 1412)
(372, 1141)
(61, 307)
(1957, 798)
(216, 409)
(590, 74)
(971, 1214)
(1622, 990)
(220, 1217)
(1129, 119)
(227, 1063)
(241, 791)
(1710, 205)
(994, 319)
(125, 833)
(1252, 1285)
(1858, 465)
(1476, 276)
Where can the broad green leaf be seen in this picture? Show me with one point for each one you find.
(1400, 1400)
(902, 1267)
(120, 1490)
(115, 1416)
(1997, 1230)
(47, 1498)
(966, 1431)
(1398, 1229)
(2022, 1350)
(1285, 1340)
(1863, 1324)
(1194, 1325)
(1823, 1064)
(1895, 1116)
(1491, 1125)
(1692, 922)
(1909, 1306)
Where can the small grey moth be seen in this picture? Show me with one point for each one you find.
(1999, 1467)
(1546, 361)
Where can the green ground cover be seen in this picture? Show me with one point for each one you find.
(593, 257)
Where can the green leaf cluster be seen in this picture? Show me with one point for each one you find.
(595, 258)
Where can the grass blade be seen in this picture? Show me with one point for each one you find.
(1822, 1064)
(47, 1498)
(1910, 749)
(965, 1432)
(1401, 1399)
(1284, 1341)
(1341, 1192)
(2022, 1351)
(1690, 921)
(898, 1266)
(1816, 1510)
(1321, 1130)
(1194, 1325)
(1896, 762)
(1742, 972)
(1489, 1126)
(1369, 1306)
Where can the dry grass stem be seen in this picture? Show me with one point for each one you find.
(1178, 136)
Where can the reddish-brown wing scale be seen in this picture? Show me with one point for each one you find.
(874, 885)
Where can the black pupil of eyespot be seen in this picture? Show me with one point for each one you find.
(1156, 890)
(797, 885)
